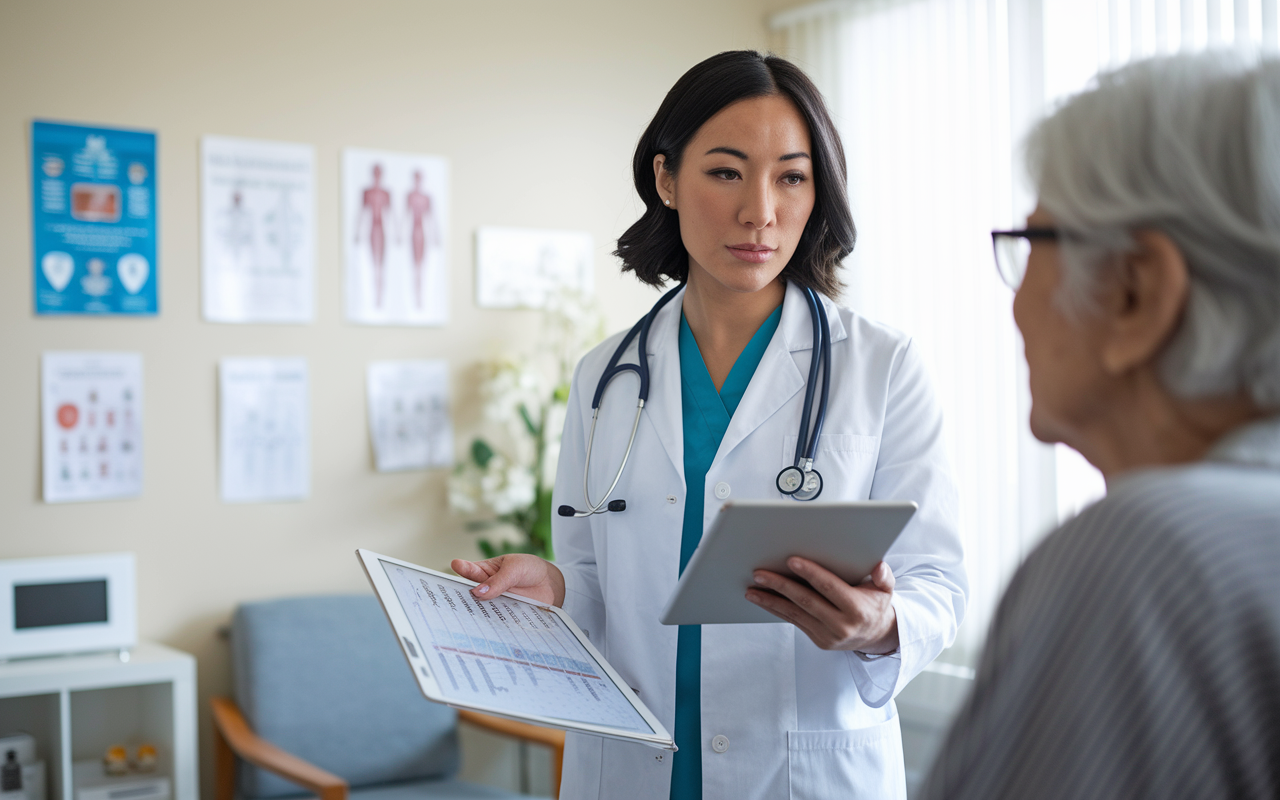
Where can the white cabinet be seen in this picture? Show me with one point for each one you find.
(78, 706)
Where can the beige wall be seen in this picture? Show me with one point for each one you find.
(537, 105)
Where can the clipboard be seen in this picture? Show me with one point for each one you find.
(847, 538)
(508, 656)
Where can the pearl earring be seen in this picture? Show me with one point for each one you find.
(668, 202)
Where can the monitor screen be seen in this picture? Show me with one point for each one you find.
(44, 605)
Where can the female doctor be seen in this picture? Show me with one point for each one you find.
(743, 179)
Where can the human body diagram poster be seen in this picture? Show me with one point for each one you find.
(257, 230)
(508, 654)
(92, 426)
(409, 414)
(395, 210)
(93, 218)
(265, 430)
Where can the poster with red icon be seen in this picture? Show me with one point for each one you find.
(92, 426)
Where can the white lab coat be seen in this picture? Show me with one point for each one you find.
(801, 722)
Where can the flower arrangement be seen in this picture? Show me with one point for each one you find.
(506, 477)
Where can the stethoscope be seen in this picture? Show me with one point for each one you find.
(799, 481)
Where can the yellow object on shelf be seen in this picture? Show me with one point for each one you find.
(116, 760)
(145, 759)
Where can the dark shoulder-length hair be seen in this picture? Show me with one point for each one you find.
(652, 248)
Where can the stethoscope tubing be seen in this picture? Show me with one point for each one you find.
(825, 352)
(806, 446)
(613, 370)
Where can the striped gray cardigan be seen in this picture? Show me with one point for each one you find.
(1136, 653)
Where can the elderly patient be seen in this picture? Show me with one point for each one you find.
(1137, 652)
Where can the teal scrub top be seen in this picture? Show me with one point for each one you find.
(706, 418)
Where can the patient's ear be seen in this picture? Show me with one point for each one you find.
(664, 180)
(1143, 302)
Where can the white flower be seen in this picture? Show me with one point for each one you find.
(464, 491)
(517, 492)
(536, 382)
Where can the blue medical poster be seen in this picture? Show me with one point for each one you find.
(93, 216)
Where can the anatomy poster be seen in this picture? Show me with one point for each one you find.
(257, 230)
(395, 210)
(409, 414)
(93, 218)
(265, 431)
(92, 426)
(523, 267)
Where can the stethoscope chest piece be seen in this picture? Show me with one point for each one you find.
(790, 480)
(800, 484)
(812, 486)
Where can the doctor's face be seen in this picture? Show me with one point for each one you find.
(744, 192)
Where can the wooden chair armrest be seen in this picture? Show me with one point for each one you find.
(235, 734)
(548, 737)
(520, 730)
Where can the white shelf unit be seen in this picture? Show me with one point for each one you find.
(77, 706)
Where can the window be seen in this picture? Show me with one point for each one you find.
(933, 98)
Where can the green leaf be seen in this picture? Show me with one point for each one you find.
(486, 548)
(561, 394)
(528, 421)
(481, 453)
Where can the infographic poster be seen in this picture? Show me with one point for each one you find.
(92, 426)
(93, 215)
(395, 212)
(257, 230)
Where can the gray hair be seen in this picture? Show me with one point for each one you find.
(1188, 145)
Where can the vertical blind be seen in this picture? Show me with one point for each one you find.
(924, 92)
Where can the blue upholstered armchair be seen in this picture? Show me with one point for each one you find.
(326, 704)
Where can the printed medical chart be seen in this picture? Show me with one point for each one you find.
(92, 426)
(523, 267)
(508, 654)
(265, 431)
(93, 219)
(409, 414)
(257, 230)
(395, 229)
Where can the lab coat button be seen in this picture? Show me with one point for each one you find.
(671, 498)
(720, 743)
(722, 491)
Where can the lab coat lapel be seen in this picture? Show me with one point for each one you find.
(777, 378)
(664, 411)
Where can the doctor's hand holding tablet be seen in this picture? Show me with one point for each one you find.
(747, 395)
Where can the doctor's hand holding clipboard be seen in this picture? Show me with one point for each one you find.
(746, 382)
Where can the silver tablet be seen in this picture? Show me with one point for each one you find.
(847, 538)
(510, 656)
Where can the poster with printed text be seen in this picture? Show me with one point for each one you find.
(265, 429)
(395, 211)
(93, 216)
(409, 414)
(257, 230)
(91, 426)
(525, 267)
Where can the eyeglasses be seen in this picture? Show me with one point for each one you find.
(1012, 249)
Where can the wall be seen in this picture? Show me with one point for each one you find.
(537, 105)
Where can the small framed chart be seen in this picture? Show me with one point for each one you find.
(92, 426)
(409, 414)
(524, 267)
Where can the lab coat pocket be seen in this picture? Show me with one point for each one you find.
(846, 461)
(853, 764)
